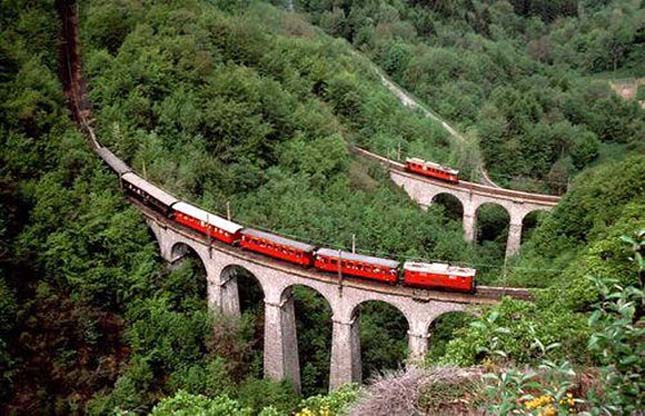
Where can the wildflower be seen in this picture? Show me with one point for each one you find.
(538, 402)
(305, 412)
(548, 411)
(568, 401)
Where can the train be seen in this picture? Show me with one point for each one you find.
(436, 276)
(432, 170)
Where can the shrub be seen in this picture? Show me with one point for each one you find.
(186, 404)
(258, 394)
(334, 403)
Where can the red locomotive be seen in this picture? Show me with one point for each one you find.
(433, 170)
(277, 246)
(209, 224)
(439, 276)
(357, 265)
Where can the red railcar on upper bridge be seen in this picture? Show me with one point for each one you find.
(431, 169)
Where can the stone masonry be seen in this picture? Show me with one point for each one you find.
(424, 191)
(277, 280)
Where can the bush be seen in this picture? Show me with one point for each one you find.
(335, 403)
(507, 332)
(258, 394)
(185, 404)
(619, 327)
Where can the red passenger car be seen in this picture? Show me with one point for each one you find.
(439, 276)
(277, 246)
(357, 265)
(206, 223)
(433, 170)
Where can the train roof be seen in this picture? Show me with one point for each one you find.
(279, 239)
(114, 162)
(439, 268)
(212, 219)
(149, 188)
(432, 165)
(358, 257)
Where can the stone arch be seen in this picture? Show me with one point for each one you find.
(313, 319)
(286, 291)
(530, 221)
(355, 309)
(442, 329)
(492, 221)
(181, 249)
(231, 274)
(193, 284)
(378, 322)
(453, 205)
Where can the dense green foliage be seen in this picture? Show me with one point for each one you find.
(89, 313)
(508, 72)
(240, 102)
(185, 404)
(617, 342)
(581, 238)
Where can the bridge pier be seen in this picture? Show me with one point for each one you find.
(417, 346)
(469, 222)
(280, 340)
(229, 296)
(345, 354)
(514, 237)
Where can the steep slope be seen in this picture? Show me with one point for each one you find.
(512, 75)
(255, 107)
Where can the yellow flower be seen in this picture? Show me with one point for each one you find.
(569, 400)
(548, 411)
(305, 412)
(538, 402)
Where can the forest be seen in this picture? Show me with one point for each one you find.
(257, 106)
(526, 79)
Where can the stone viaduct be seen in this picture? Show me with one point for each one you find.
(345, 296)
(471, 195)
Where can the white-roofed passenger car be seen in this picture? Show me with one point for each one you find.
(375, 268)
(206, 223)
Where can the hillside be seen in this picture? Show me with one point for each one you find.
(248, 104)
(290, 170)
(511, 74)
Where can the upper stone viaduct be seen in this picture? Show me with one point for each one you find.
(471, 195)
